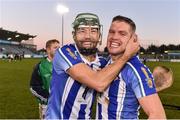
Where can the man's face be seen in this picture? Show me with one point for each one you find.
(87, 37)
(51, 50)
(118, 37)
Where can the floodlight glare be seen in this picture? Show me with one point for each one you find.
(9, 38)
(62, 9)
(17, 36)
(165, 51)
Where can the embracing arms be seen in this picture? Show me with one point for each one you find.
(99, 80)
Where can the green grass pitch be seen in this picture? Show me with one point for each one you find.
(16, 101)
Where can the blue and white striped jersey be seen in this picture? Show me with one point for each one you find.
(68, 98)
(120, 99)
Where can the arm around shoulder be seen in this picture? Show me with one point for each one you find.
(97, 80)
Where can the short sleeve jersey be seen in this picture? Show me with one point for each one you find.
(120, 99)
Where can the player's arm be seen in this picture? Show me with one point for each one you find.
(99, 80)
(143, 86)
(152, 106)
(36, 85)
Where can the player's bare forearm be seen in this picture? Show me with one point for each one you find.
(97, 80)
(101, 79)
(152, 106)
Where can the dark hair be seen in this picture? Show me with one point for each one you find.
(50, 42)
(126, 20)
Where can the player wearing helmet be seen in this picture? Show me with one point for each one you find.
(87, 44)
(76, 71)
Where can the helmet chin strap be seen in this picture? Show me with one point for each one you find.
(88, 52)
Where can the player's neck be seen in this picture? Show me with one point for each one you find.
(115, 57)
(90, 58)
(49, 58)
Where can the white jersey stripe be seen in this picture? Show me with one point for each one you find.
(69, 83)
(139, 78)
(78, 101)
(65, 57)
(121, 99)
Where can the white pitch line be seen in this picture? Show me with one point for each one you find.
(171, 95)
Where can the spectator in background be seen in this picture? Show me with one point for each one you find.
(41, 77)
(11, 57)
(145, 60)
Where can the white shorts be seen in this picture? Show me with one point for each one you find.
(42, 111)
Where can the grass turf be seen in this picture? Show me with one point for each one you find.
(16, 101)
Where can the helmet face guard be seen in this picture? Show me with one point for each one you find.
(87, 19)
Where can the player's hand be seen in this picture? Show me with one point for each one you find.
(132, 47)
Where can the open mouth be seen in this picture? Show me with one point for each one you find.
(87, 44)
(114, 44)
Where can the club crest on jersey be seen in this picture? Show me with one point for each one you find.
(148, 79)
(71, 53)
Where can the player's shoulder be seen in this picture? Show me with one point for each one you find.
(44, 60)
(68, 54)
(141, 73)
(134, 63)
(138, 68)
(68, 49)
(135, 66)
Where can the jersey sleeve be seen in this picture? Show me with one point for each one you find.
(140, 79)
(36, 86)
(65, 57)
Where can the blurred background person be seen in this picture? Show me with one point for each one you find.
(41, 77)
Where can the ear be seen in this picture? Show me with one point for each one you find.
(100, 35)
(47, 50)
(73, 33)
(100, 39)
